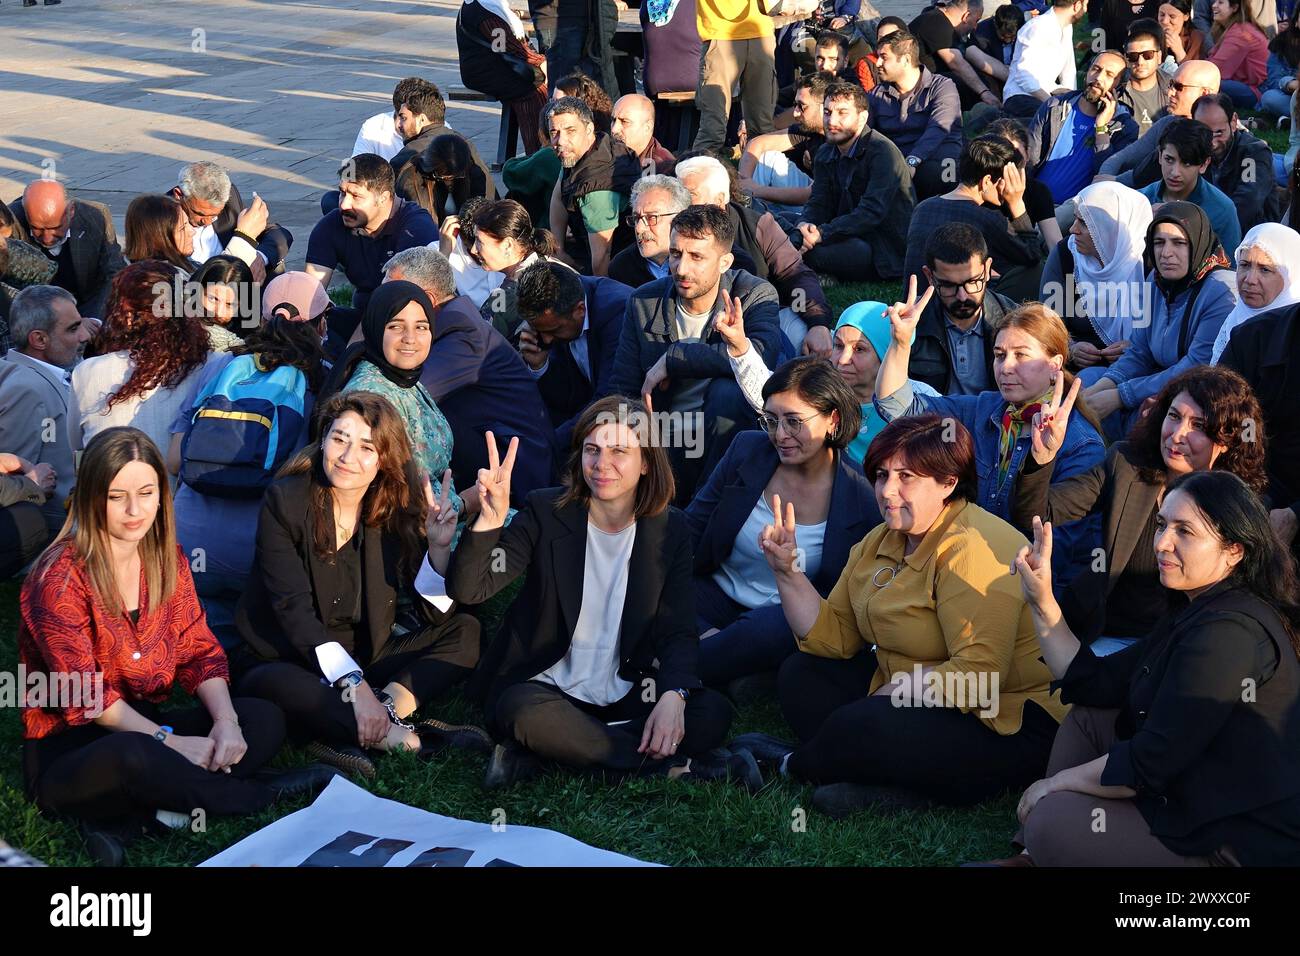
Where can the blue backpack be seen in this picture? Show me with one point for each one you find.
(244, 425)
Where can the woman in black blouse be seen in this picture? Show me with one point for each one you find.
(1186, 745)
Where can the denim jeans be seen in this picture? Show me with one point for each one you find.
(219, 593)
(1275, 102)
(1243, 97)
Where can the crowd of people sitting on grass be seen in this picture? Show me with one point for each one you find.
(1030, 528)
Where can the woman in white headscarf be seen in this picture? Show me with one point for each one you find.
(1268, 277)
(1103, 255)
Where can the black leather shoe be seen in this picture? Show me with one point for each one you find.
(297, 781)
(105, 847)
(765, 748)
(348, 758)
(839, 800)
(734, 765)
(437, 735)
(509, 764)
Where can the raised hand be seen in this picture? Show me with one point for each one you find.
(440, 525)
(252, 221)
(1034, 565)
(903, 316)
(777, 540)
(1048, 430)
(1011, 189)
(730, 323)
(494, 485)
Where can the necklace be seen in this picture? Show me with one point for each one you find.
(893, 572)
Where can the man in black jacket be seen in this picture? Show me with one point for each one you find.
(953, 351)
(855, 223)
(1241, 164)
(671, 349)
(76, 234)
(222, 224)
(1266, 352)
(422, 118)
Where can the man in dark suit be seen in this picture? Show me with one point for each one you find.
(76, 234)
(216, 211)
(570, 334)
(478, 380)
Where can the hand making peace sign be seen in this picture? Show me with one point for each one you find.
(903, 316)
(440, 525)
(494, 485)
(1050, 421)
(1034, 565)
(777, 540)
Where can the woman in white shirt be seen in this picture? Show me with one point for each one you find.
(144, 364)
(595, 665)
(505, 242)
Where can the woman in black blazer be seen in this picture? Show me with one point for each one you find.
(1188, 742)
(1194, 424)
(340, 549)
(742, 628)
(595, 664)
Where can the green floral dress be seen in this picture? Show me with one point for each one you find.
(426, 426)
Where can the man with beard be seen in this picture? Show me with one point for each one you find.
(1241, 164)
(919, 111)
(1146, 91)
(776, 168)
(655, 201)
(953, 350)
(368, 228)
(1072, 134)
(592, 193)
(420, 119)
(862, 187)
(672, 353)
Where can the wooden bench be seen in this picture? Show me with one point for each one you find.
(690, 118)
(507, 134)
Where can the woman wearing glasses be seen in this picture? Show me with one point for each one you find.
(1030, 346)
(810, 415)
(919, 680)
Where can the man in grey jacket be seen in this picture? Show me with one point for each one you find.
(49, 335)
(671, 352)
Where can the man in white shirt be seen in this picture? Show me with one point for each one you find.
(379, 133)
(1043, 63)
(35, 392)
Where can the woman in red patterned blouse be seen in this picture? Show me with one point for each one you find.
(110, 621)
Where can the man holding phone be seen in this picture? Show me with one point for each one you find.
(1072, 134)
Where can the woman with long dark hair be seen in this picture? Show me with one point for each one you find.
(1183, 41)
(111, 605)
(157, 227)
(1188, 743)
(144, 364)
(342, 538)
(1206, 418)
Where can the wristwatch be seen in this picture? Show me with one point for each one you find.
(161, 733)
(682, 692)
(913, 161)
(349, 680)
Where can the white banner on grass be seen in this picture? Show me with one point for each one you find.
(349, 826)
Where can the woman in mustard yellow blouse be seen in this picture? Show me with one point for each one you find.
(920, 680)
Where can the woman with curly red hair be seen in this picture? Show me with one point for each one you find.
(144, 365)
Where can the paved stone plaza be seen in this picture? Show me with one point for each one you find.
(115, 95)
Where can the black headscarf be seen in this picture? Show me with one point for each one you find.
(385, 302)
(1205, 252)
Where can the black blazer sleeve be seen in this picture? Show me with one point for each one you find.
(1068, 500)
(477, 572)
(285, 580)
(678, 645)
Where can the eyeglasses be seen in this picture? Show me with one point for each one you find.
(1137, 55)
(792, 424)
(973, 285)
(1179, 87)
(651, 219)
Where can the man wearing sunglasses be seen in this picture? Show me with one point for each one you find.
(1137, 165)
(1146, 90)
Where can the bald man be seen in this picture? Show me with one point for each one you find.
(634, 127)
(78, 236)
(1137, 165)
